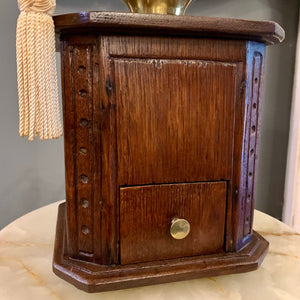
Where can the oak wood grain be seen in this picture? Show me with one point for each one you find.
(159, 111)
(161, 47)
(79, 141)
(146, 213)
(176, 123)
(92, 277)
(154, 24)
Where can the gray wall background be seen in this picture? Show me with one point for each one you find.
(32, 173)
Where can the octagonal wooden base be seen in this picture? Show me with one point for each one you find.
(91, 277)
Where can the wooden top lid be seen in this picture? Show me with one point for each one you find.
(116, 22)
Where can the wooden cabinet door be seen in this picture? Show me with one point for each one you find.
(174, 120)
(146, 213)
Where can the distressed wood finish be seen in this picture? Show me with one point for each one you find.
(98, 278)
(142, 228)
(79, 145)
(247, 137)
(218, 58)
(157, 126)
(155, 24)
(224, 55)
(162, 47)
(178, 101)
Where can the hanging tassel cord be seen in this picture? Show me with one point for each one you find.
(39, 111)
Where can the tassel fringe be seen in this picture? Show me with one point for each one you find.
(39, 111)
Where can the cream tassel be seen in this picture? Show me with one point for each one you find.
(37, 80)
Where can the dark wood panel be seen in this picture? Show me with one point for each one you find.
(155, 24)
(109, 202)
(181, 48)
(252, 128)
(91, 190)
(97, 171)
(174, 120)
(81, 158)
(146, 213)
(92, 277)
(244, 178)
(69, 143)
(82, 87)
(142, 107)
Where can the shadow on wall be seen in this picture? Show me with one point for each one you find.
(222, 8)
(64, 6)
(280, 64)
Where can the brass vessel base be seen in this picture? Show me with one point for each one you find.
(171, 7)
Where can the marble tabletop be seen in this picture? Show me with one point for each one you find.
(26, 249)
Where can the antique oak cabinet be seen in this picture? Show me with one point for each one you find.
(161, 122)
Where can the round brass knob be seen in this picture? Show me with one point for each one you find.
(180, 228)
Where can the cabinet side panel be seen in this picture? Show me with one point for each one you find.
(69, 142)
(78, 72)
(109, 202)
(233, 203)
(255, 66)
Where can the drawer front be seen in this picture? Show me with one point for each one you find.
(147, 212)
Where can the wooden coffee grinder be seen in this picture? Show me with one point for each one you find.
(161, 122)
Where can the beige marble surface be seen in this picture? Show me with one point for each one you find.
(26, 248)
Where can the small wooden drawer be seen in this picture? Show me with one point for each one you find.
(146, 214)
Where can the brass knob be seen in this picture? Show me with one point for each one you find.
(180, 228)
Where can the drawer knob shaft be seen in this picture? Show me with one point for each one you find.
(180, 228)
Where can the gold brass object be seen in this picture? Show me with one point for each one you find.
(171, 7)
(180, 228)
